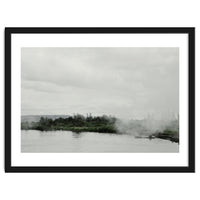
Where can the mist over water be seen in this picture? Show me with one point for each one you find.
(146, 127)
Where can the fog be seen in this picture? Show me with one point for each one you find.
(129, 83)
(147, 126)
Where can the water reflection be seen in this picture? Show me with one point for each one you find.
(76, 134)
(47, 133)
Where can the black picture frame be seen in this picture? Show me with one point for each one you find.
(102, 30)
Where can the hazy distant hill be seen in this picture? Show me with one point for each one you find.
(36, 118)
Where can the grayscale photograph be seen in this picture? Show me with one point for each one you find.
(100, 100)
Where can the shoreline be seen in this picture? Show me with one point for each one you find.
(164, 136)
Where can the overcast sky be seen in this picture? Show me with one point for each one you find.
(124, 82)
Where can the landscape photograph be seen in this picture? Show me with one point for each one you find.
(100, 100)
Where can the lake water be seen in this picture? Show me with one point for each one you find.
(67, 141)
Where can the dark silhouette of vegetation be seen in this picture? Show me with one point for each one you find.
(167, 135)
(76, 123)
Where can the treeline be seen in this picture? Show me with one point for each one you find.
(76, 123)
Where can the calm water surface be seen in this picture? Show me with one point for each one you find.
(67, 141)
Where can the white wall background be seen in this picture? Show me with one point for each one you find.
(98, 13)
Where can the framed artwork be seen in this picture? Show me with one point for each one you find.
(100, 99)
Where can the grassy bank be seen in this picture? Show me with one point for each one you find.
(167, 135)
(100, 129)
